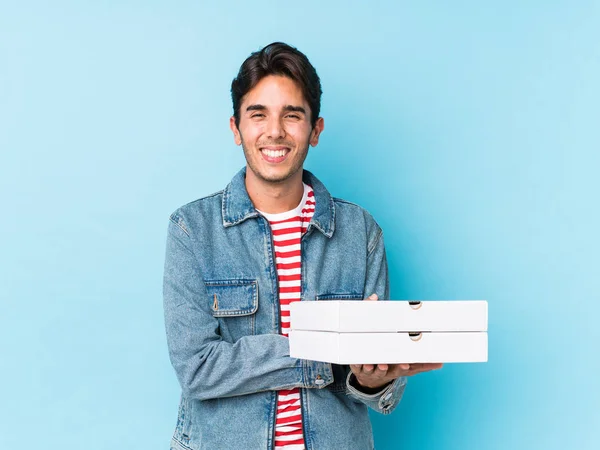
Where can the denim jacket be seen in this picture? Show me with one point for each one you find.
(222, 322)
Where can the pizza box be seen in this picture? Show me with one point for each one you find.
(389, 316)
(388, 348)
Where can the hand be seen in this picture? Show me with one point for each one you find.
(374, 376)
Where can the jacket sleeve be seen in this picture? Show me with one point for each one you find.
(377, 282)
(206, 366)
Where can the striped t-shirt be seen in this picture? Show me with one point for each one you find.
(287, 229)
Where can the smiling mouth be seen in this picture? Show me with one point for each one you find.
(274, 154)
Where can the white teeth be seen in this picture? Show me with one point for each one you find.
(273, 153)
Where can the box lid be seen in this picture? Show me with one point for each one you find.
(389, 348)
(389, 316)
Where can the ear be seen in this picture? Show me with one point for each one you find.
(316, 131)
(237, 137)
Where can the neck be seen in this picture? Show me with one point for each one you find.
(274, 197)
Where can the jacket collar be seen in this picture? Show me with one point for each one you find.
(237, 206)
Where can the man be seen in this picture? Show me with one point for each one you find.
(235, 261)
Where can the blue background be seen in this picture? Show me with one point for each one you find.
(469, 129)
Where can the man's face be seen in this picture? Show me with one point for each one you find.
(275, 129)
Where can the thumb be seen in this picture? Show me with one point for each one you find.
(372, 297)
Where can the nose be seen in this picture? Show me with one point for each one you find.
(275, 129)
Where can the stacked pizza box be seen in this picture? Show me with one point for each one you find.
(378, 332)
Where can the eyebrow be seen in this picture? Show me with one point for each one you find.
(256, 108)
(292, 108)
(288, 108)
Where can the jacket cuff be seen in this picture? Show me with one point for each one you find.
(383, 401)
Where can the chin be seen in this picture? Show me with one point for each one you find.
(276, 177)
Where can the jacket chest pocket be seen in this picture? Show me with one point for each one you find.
(234, 304)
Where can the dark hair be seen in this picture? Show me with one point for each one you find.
(277, 59)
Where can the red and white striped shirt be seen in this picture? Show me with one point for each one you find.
(287, 229)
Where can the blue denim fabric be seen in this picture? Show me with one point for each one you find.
(222, 322)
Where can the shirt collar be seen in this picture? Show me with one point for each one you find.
(237, 206)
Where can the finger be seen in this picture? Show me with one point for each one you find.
(368, 368)
(417, 370)
(398, 370)
(382, 367)
(356, 368)
(372, 297)
(426, 366)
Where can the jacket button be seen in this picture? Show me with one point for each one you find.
(319, 381)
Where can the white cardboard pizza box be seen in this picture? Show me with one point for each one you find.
(392, 348)
(389, 316)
